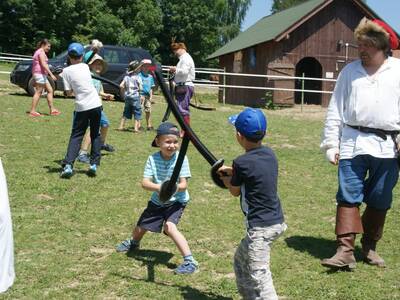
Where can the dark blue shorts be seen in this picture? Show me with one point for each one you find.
(154, 216)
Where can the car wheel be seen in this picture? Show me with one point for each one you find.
(31, 85)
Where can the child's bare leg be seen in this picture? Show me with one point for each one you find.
(103, 134)
(36, 97)
(148, 120)
(122, 124)
(49, 97)
(172, 231)
(137, 125)
(86, 142)
(138, 233)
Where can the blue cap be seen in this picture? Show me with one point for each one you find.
(76, 49)
(164, 129)
(251, 123)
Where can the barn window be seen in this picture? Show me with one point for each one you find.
(237, 62)
(252, 58)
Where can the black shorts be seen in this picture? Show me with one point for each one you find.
(154, 216)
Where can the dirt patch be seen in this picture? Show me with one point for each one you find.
(313, 112)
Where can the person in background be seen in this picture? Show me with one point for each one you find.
(146, 94)
(40, 71)
(184, 77)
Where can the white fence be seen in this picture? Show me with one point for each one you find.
(10, 57)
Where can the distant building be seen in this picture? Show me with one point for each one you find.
(315, 38)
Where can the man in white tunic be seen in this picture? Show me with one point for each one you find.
(362, 124)
(7, 274)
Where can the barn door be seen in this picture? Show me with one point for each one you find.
(281, 98)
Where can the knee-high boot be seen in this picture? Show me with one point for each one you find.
(373, 221)
(348, 223)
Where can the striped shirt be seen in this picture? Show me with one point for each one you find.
(158, 170)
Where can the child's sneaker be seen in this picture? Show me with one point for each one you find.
(187, 267)
(92, 170)
(84, 158)
(127, 245)
(67, 171)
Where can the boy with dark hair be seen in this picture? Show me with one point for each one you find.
(254, 176)
(159, 215)
(78, 81)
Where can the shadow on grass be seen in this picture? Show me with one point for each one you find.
(22, 94)
(317, 247)
(187, 292)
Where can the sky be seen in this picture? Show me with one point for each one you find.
(388, 10)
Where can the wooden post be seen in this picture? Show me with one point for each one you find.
(223, 89)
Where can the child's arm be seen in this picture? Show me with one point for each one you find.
(182, 185)
(122, 88)
(225, 174)
(148, 185)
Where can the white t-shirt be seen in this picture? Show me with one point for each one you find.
(368, 101)
(78, 79)
(185, 70)
(7, 273)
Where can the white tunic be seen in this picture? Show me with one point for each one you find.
(185, 71)
(7, 273)
(363, 100)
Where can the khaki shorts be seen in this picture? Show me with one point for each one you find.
(147, 103)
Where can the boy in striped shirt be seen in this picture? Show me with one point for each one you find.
(158, 215)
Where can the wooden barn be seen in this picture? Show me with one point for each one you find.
(315, 38)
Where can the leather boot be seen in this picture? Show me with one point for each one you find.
(348, 223)
(373, 221)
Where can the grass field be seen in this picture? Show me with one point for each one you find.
(65, 231)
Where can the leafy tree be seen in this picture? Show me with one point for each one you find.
(232, 14)
(279, 5)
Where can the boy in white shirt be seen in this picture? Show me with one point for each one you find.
(78, 81)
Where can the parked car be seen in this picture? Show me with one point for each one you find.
(117, 57)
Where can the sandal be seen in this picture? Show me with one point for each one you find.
(34, 114)
(55, 113)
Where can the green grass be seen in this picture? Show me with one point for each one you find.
(65, 231)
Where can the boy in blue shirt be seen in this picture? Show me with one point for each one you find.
(158, 215)
(146, 94)
(254, 176)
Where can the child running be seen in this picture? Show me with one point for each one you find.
(254, 176)
(130, 88)
(78, 81)
(158, 215)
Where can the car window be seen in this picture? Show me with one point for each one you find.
(116, 56)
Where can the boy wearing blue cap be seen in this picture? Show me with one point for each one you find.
(159, 215)
(78, 81)
(254, 176)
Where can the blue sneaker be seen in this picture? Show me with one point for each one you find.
(67, 172)
(92, 170)
(84, 158)
(187, 267)
(127, 245)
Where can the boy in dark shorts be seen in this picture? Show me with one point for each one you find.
(159, 215)
(254, 176)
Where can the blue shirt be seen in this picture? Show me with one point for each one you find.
(147, 83)
(97, 85)
(158, 170)
(256, 172)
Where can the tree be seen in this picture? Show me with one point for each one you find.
(279, 5)
(232, 14)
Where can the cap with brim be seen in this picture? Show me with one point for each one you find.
(250, 122)
(133, 67)
(146, 61)
(103, 62)
(166, 128)
(76, 49)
